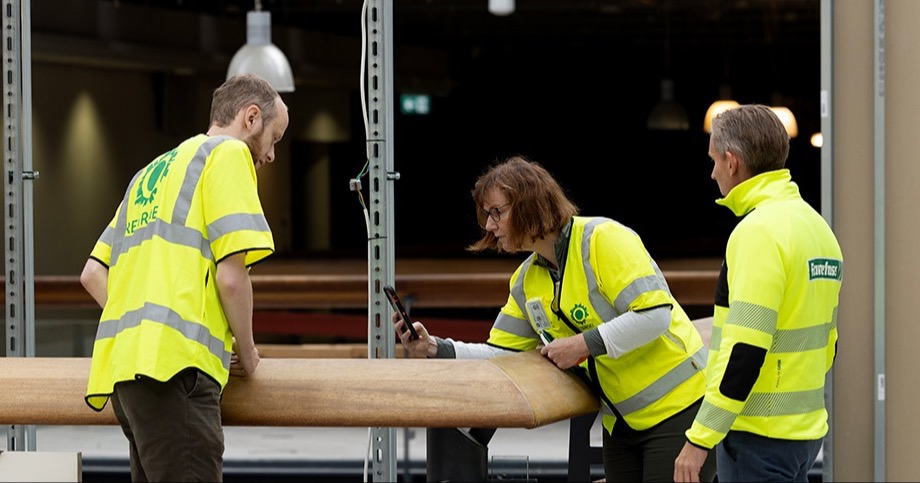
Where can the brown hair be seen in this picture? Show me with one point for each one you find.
(539, 205)
(242, 91)
(755, 134)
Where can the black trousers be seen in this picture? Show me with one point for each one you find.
(649, 455)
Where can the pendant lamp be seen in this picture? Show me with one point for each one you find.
(724, 103)
(260, 56)
(501, 7)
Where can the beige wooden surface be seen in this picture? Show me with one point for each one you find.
(522, 390)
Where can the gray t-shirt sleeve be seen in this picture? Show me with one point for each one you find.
(595, 342)
(445, 349)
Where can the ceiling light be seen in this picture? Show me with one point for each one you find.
(501, 7)
(717, 107)
(724, 103)
(668, 114)
(785, 116)
(260, 56)
(817, 140)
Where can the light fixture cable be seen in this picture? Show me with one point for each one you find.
(668, 114)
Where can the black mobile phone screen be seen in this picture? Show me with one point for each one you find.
(398, 306)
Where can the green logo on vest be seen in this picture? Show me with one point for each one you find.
(825, 268)
(147, 185)
(579, 314)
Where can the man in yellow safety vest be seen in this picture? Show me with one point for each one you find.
(170, 272)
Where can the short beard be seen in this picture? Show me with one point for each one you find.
(251, 143)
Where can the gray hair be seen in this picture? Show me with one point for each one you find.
(753, 133)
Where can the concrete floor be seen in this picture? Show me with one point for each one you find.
(324, 454)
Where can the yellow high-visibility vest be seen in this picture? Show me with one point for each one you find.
(644, 386)
(182, 214)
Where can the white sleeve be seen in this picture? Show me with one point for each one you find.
(476, 350)
(634, 329)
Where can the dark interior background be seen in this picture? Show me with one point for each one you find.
(568, 83)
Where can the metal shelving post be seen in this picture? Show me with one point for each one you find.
(381, 176)
(17, 133)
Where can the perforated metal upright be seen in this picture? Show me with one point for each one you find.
(381, 177)
(17, 151)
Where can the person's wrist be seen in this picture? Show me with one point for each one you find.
(432, 347)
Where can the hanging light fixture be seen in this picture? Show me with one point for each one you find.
(817, 140)
(788, 119)
(724, 103)
(778, 103)
(668, 114)
(501, 7)
(260, 56)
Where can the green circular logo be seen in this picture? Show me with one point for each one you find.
(579, 313)
(157, 170)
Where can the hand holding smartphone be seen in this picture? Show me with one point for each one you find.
(398, 307)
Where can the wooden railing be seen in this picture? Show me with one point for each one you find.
(327, 300)
(349, 291)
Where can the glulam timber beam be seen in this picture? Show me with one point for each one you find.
(521, 390)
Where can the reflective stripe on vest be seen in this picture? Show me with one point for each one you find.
(514, 325)
(764, 405)
(627, 295)
(170, 318)
(175, 231)
(784, 340)
(663, 385)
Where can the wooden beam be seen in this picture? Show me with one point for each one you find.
(349, 291)
(522, 390)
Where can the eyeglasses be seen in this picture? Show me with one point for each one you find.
(495, 213)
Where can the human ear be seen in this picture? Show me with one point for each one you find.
(252, 115)
(734, 164)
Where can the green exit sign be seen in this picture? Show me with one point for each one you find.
(415, 104)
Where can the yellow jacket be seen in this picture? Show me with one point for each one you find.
(775, 321)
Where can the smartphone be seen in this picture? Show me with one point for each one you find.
(398, 306)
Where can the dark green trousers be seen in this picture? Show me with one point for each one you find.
(173, 427)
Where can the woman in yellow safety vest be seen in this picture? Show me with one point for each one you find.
(593, 298)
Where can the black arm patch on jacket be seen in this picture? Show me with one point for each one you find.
(742, 370)
(722, 286)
